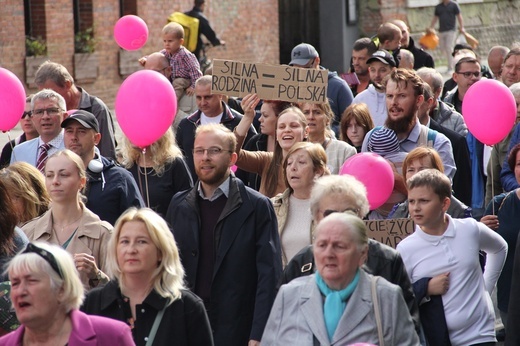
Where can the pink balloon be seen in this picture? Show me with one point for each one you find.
(131, 32)
(12, 100)
(489, 110)
(145, 107)
(375, 173)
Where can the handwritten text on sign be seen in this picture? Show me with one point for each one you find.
(391, 231)
(270, 82)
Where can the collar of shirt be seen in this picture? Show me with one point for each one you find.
(223, 189)
(414, 134)
(55, 142)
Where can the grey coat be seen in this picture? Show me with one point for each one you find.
(297, 316)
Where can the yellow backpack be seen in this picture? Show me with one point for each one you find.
(191, 29)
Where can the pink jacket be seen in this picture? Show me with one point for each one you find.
(87, 330)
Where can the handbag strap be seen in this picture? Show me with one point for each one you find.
(377, 311)
(155, 326)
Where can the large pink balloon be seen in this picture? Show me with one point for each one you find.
(145, 107)
(375, 173)
(12, 100)
(489, 110)
(131, 32)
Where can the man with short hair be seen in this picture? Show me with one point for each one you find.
(443, 113)
(340, 97)
(380, 65)
(211, 109)
(361, 51)
(495, 60)
(446, 12)
(406, 59)
(111, 189)
(467, 72)
(511, 67)
(48, 111)
(421, 58)
(55, 76)
(228, 241)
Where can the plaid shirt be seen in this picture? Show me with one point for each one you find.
(184, 65)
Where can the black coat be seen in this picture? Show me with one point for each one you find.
(462, 177)
(421, 58)
(513, 315)
(184, 322)
(248, 260)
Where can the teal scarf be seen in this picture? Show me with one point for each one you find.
(335, 302)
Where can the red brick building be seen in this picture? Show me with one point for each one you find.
(250, 30)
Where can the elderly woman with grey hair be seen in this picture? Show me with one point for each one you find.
(46, 293)
(349, 299)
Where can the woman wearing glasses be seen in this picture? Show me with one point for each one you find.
(291, 128)
(160, 172)
(304, 163)
(147, 287)
(46, 293)
(68, 222)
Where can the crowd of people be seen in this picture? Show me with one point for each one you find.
(236, 227)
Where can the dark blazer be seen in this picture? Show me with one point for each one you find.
(184, 322)
(513, 314)
(247, 263)
(86, 331)
(462, 178)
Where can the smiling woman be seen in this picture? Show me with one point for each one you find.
(291, 127)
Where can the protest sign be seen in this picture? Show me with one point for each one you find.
(270, 82)
(391, 231)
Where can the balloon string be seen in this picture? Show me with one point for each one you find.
(12, 144)
(147, 195)
(492, 182)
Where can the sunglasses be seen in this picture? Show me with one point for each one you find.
(26, 114)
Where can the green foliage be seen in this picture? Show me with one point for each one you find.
(84, 41)
(35, 46)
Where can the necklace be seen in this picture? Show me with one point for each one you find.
(67, 225)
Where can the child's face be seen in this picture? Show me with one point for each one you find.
(426, 208)
(395, 43)
(356, 133)
(417, 165)
(172, 43)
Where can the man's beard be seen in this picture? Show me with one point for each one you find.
(402, 125)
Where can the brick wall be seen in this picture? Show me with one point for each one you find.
(250, 30)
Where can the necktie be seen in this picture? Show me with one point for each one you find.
(42, 158)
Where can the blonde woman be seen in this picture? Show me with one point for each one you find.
(147, 278)
(160, 173)
(68, 222)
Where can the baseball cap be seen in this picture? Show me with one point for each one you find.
(86, 119)
(302, 53)
(383, 56)
(460, 46)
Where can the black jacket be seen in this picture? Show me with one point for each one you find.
(421, 58)
(382, 261)
(184, 322)
(248, 260)
(111, 192)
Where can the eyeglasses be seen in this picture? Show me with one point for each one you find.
(52, 111)
(213, 151)
(46, 255)
(26, 114)
(469, 74)
(352, 211)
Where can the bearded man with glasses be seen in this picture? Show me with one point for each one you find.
(48, 111)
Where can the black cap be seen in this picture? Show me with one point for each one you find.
(383, 56)
(460, 46)
(86, 119)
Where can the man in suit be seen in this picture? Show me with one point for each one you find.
(48, 110)
(55, 76)
(228, 241)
